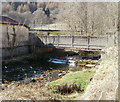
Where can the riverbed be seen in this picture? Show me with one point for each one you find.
(44, 70)
(19, 71)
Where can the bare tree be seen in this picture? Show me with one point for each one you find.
(90, 17)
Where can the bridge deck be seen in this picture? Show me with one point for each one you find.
(80, 42)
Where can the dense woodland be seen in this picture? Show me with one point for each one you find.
(94, 17)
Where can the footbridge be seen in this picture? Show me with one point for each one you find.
(78, 42)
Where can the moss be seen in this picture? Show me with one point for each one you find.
(74, 81)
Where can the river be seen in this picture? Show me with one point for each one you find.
(18, 71)
(46, 69)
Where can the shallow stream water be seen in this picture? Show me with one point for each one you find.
(20, 70)
(45, 69)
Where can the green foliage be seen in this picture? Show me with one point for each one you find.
(74, 81)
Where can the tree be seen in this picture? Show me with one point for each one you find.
(39, 17)
(73, 15)
(6, 7)
(89, 17)
(20, 9)
(26, 8)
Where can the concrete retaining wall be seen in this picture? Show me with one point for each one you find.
(37, 46)
(14, 40)
(17, 51)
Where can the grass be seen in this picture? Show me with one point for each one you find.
(52, 33)
(74, 81)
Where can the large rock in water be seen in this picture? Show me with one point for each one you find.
(90, 65)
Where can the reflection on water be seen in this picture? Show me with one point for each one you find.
(20, 70)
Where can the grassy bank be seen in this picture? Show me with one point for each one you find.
(71, 82)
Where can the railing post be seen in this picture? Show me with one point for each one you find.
(58, 40)
(72, 40)
(46, 39)
(88, 41)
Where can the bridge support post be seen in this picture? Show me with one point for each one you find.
(72, 41)
(46, 40)
(88, 41)
(103, 55)
(58, 40)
